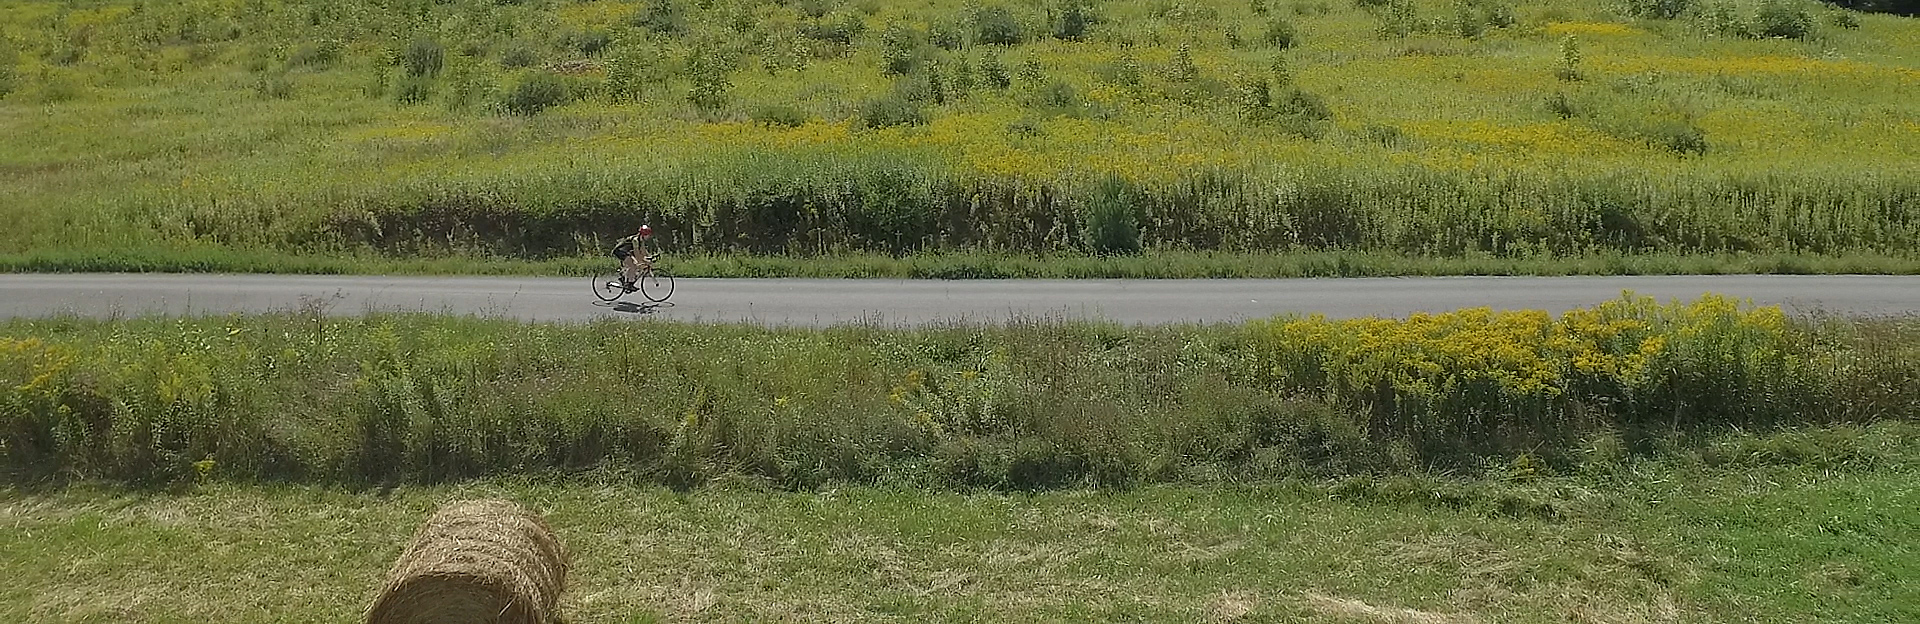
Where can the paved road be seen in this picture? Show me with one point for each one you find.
(829, 302)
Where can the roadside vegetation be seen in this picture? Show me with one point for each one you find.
(454, 136)
(424, 399)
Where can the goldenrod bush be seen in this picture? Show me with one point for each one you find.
(1490, 378)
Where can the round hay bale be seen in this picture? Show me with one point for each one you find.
(476, 561)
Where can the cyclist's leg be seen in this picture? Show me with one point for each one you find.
(629, 269)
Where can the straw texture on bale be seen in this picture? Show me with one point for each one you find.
(476, 561)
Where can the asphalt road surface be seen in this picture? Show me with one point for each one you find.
(914, 302)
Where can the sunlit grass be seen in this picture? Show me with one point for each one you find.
(150, 129)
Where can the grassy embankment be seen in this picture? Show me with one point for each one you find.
(830, 138)
(1627, 463)
(424, 398)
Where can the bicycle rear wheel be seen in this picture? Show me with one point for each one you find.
(656, 285)
(607, 287)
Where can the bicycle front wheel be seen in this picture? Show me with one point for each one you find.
(656, 285)
(607, 287)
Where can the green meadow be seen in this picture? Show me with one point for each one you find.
(871, 137)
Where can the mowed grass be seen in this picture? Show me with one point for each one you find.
(1778, 540)
(214, 135)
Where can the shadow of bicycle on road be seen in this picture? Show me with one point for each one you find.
(629, 307)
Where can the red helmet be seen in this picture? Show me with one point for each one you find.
(646, 231)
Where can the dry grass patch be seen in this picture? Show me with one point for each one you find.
(1332, 606)
(1232, 606)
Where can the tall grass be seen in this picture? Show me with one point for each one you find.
(250, 126)
(423, 398)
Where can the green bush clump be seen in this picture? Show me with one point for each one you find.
(519, 55)
(587, 42)
(1282, 34)
(423, 58)
(995, 25)
(1783, 19)
(413, 90)
(1658, 9)
(536, 92)
(892, 110)
(1076, 19)
(665, 17)
(1111, 226)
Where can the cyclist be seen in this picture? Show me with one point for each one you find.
(630, 263)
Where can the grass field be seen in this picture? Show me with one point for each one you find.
(1630, 462)
(1782, 539)
(487, 137)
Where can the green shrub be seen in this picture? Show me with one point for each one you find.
(664, 17)
(519, 55)
(1722, 17)
(1303, 104)
(1468, 22)
(631, 68)
(1783, 19)
(1075, 20)
(947, 35)
(424, 58)
(1658, 9)
(535, 92)
(892, 110)
(902, 48)
(1111, 226)
(1568, 69)
(995, 25)
(1399, 20)
(587, 42)
(413, 90)
(708, 68)
(1677, 136)
(469, 84)
(1281, 34)
(1844, 19)
(840, 29)
(925, 85)
(994, 72)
